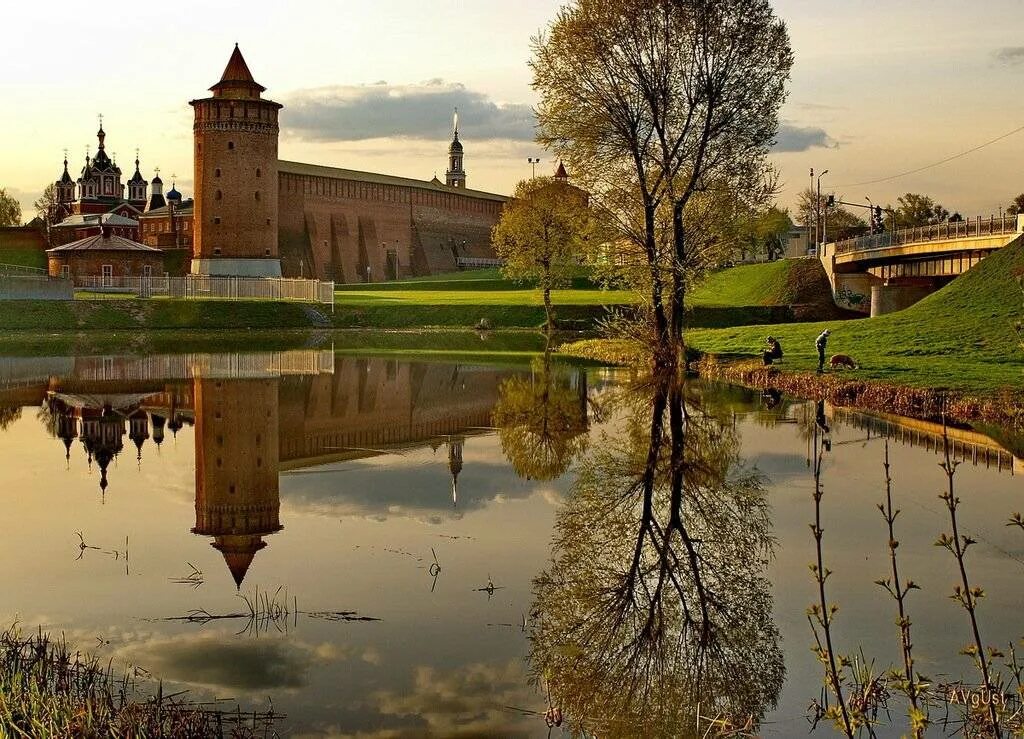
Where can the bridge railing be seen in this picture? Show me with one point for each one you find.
(945, 231)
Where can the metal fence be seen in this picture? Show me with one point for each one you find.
(205, 286)
(972, 227)
(223, 365)
(20, 269)
(478, 262)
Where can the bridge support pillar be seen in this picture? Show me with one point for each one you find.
(896, 297)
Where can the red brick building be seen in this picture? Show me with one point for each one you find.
(255, 212)
(106, 256)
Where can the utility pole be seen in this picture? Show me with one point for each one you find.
(814, 209)
(823, 213)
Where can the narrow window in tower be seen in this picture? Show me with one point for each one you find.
(218, 196)
(257, 193)
(216, 219)
(231, 145)
(268, 221)
(216, 250)
(257, 171)
(216, 172)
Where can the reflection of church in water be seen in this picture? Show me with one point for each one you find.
(248, 430)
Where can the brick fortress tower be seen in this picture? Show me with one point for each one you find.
(236, 217)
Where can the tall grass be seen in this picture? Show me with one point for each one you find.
(46, 689)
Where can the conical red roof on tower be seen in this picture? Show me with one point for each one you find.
(237, 73)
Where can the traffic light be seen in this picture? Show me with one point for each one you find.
(879, 223)
(831, 201)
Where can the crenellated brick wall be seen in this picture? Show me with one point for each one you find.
(335, 227)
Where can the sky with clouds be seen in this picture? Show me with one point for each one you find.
(878, 88)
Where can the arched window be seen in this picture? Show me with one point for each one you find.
(217, 196)
(257, 171)
(257, 194)
(231, 145)
(216, 172)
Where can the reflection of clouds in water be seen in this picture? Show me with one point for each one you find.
(223, 661)
(418, 492)
(778, 466)
(469, 702)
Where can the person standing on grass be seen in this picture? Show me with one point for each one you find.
(820, 343)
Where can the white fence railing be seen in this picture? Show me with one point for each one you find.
(478, 262)
(205, 286)
(226, 365)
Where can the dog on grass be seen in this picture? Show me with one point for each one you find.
(842, 360)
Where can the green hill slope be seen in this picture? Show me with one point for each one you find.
(772, 292)
(962, 336)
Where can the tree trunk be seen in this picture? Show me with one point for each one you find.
(678, 302)
(549, 310)
(662, 334)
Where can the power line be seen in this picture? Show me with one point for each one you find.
(938, 163)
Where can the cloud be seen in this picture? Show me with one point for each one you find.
(1009, 55)
(468, 701)
(421, 493)
(801, 138)
(226, 663)
(418, 111)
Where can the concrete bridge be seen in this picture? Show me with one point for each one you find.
(891, 271)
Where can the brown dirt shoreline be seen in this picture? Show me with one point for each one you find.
(1003, 408)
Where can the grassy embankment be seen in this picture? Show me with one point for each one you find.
(22, 257)
(962, 338)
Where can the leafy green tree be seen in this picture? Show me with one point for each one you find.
(773, 227)
(10, 209)
(542, 233)
(47, 205)
(1017, 206)
(657, 105)
(913, 209)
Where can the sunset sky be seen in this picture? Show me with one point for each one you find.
(879, 88)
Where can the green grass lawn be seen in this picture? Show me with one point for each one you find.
(748, 284)
(962, 337)
(483, 297)
(23, 257)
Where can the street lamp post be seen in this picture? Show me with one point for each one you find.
(823, 213)
(534, 161)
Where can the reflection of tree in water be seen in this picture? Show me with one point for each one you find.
(542, 424)
(656, 600)
(8, 415)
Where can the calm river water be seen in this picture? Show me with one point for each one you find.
(452, 549)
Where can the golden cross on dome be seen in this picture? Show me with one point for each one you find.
(100, 116)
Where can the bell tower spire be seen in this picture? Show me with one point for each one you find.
(455, 176)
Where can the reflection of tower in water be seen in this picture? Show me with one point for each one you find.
(103, 438)
(237, 496)
(455, 444)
